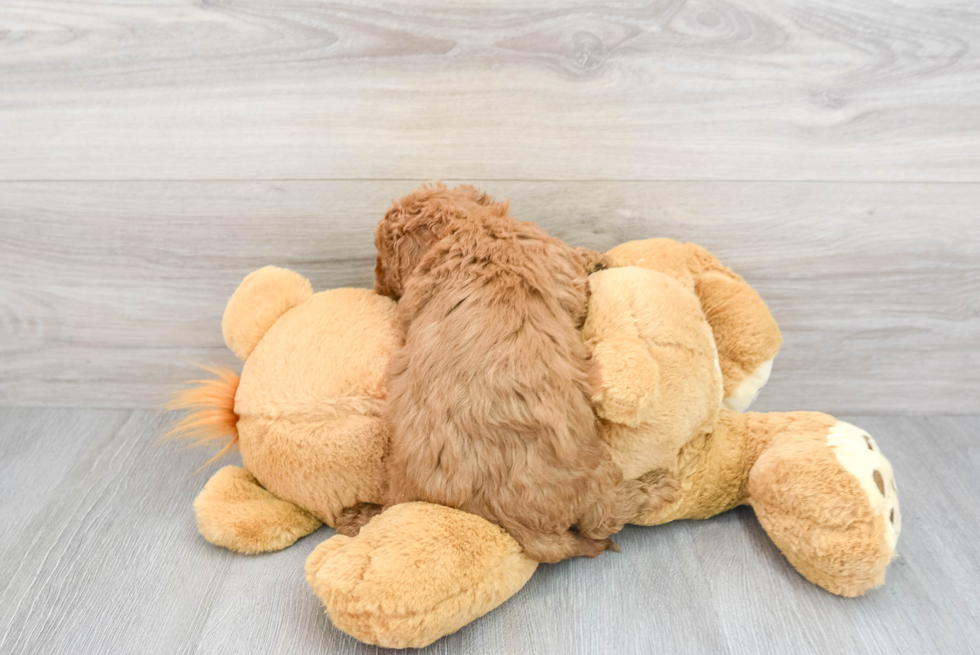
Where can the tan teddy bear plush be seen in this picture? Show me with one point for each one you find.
(684, 345)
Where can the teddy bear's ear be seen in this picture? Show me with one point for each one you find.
(258, 302)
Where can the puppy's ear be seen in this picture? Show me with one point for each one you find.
(402, 241)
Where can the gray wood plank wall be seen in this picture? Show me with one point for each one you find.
(152, 154)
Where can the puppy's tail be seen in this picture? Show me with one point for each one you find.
(212, 416)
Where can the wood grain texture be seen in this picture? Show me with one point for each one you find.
(100, 555)
(297, 89)
(111, 291)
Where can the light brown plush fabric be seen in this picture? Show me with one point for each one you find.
(713, 469)
(813, 509)
(818, 514)
(416, 573)
(235, 512)
(309, 405)
(660, 382)
(262, 297)
(310, 402)
(384, 586)
(745, 332)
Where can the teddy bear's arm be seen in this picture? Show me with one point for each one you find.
(746, 334)
(258, 302)
(235, 512)
(629, 378)
(628, 374)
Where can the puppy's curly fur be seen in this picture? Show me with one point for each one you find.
(489, 395)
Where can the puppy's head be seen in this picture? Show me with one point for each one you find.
(416, 222)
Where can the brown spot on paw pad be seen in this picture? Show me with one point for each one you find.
(891, 516)
(867, 439)
(880, 482)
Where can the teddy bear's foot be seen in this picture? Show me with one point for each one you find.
(828, 499)
(415, 573)
(235, 512)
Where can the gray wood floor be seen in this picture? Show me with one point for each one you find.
(100, 555)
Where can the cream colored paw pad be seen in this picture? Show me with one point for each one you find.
(745, 393)
(858, 453)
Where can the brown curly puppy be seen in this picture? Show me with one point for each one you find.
(489, 396)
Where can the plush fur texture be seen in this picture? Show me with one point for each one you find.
(310, 405)
(309, 409)
(234, 511)
(307, 413)
(489, 395)
(661, 384)
(386, 589)
(746, 334)
(832, 524)
(263, 296)
(471, 567)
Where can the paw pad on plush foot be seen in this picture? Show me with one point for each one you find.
(859, 454)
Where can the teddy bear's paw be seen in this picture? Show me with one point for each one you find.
(746, 391)
(827, 497)
(859, 454)
(415, 573)
(235, 512)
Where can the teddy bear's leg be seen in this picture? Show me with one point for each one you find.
(746, 334)
(235, 512)
(415, 573)
(827, 498)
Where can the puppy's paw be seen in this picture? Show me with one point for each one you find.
(591, 260)
(589, 547)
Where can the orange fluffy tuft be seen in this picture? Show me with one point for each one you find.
(212, 416)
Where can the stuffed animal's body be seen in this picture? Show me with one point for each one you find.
(684, 345)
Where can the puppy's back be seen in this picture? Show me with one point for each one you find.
(489, 396)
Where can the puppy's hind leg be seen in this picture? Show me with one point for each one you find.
(591, 547)
(615, 502)
(353, 518)
(554, 547)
